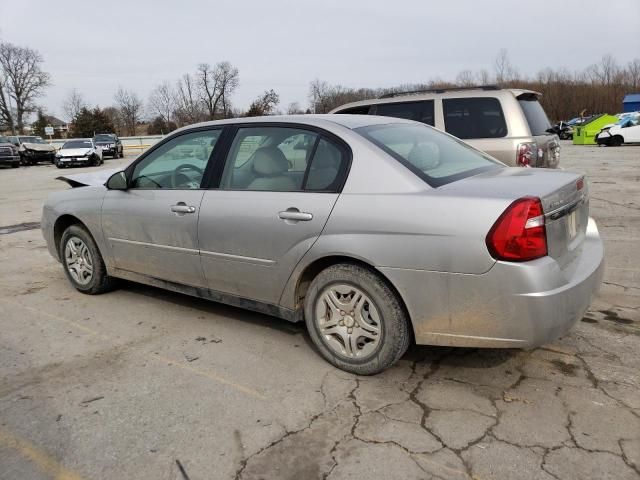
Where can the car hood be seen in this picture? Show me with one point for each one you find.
(74, 152)
(92, 179)
(39, 147)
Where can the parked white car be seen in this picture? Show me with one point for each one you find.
(627, 130)
(79, 152)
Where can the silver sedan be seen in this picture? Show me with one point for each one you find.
(374, 231)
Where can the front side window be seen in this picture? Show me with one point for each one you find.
(436, 158)
(480, 117)
(419, 111)
(177, 164)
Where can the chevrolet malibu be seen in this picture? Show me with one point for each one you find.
(375, 231)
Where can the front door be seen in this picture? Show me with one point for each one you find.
(275, 195)
(152, 227)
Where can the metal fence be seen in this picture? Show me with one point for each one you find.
(130, 144)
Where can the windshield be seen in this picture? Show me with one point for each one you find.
(104, 138)
(536, 118)
(435, 157)
(78, 144)
(31, 140)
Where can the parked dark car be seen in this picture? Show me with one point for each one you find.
(9, 153)
(110, 144)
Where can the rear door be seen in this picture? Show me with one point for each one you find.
(271, 200)
(152, 227)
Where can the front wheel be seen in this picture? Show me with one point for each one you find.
(616, 141)
(355, 320)
(82, 261)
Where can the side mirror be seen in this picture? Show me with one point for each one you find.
(117, 181)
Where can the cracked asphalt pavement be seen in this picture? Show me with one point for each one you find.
(142, 383)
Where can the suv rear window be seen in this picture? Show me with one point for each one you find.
(419, 111)
(480, 117)
(535, 115)
(436, 158)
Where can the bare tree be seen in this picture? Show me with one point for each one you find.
(72, 105)
(505, 71)
(130, 107)
(216, 86)
(163, 102)
(294, 109)
(319, 96)
(632, 74)
(21, 80)
(465, 78)
(265, 104)
(189, 109)
(115, 117)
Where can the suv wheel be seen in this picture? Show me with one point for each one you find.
(82, 262)
(355, 320)
(616, 141)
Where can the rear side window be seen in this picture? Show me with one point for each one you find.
(418, 111)
(327, 169)
(535, 115)
(480, 117)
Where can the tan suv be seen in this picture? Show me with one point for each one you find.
(508, 124)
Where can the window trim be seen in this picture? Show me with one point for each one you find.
(213, 181)
(212, 157)
(495, 98)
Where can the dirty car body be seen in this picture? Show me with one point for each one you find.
(33, 149)
(418, 211)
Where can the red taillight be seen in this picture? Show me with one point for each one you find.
(519, 234)
(526, 154)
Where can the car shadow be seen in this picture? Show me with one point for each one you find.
(476, 358)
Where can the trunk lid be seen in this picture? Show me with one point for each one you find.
(564, 197)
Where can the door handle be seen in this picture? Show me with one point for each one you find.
(295, 215)
(183, 208)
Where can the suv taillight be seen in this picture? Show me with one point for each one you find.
(526, 155)
(519, 234)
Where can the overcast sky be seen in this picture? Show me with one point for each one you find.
(284, 44)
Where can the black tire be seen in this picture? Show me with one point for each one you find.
(100, 282)
(15, 165)
(395, 334)
(122, 153)
(616, 141)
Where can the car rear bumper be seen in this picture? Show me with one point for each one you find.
(517, 305)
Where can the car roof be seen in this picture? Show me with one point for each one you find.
(452, 93)
(316, 120)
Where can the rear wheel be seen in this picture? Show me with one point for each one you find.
(355, 320)
(82, 262)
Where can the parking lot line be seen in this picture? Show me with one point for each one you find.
(203, 373)
(39, 458)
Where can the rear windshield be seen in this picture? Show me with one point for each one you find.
(536, 118)
(436, 158)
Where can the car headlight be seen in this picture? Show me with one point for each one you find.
(58, 154)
